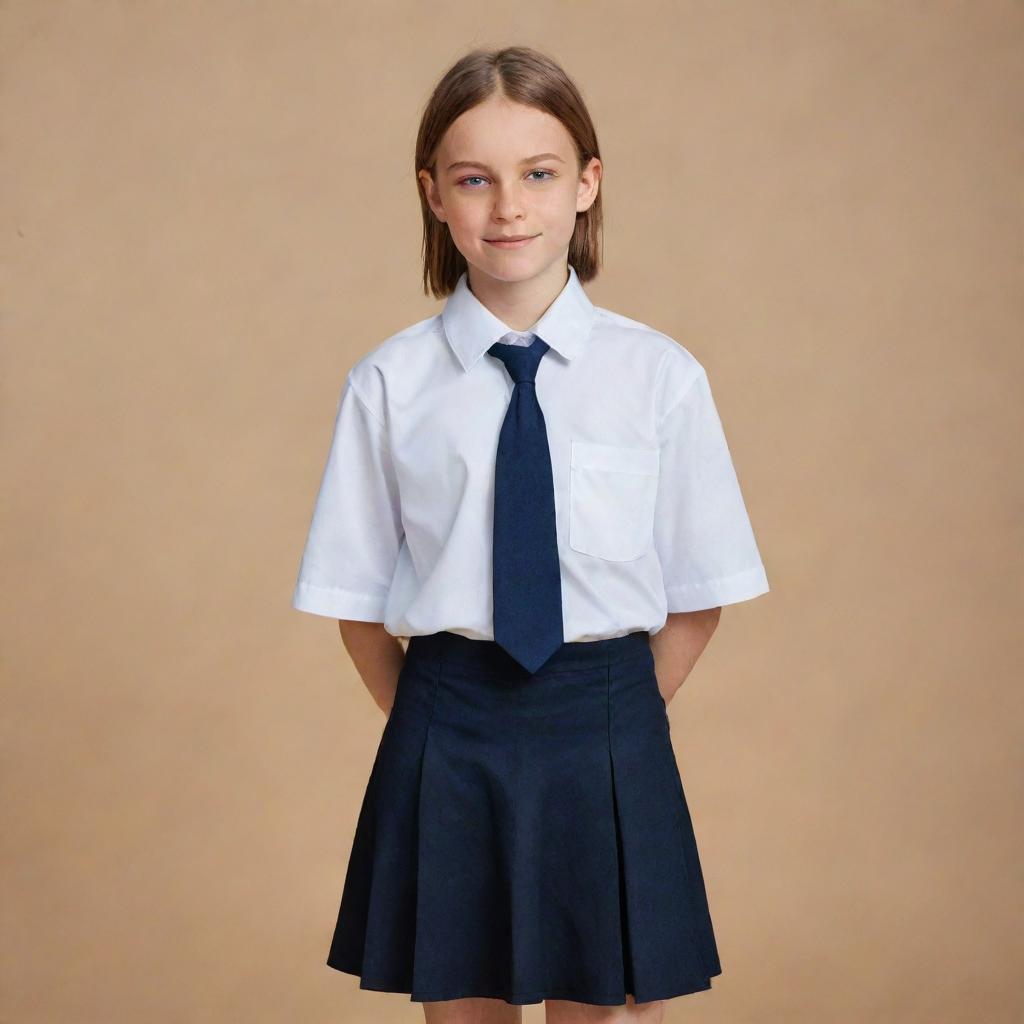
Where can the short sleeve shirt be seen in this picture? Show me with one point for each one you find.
(649, 514)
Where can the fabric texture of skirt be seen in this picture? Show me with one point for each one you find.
(526, 836)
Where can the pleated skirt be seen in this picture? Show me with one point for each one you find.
(526, 836)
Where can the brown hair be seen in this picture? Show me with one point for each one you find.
(525, 76)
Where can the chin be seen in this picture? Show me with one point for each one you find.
(510, 270)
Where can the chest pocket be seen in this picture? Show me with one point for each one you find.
(612, 495)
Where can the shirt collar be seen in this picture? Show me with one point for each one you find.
(471, 328)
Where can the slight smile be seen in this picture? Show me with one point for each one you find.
(513, 243)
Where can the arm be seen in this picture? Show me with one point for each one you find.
(705, 543)
(355, 537)
(378, 657)
(678, 645)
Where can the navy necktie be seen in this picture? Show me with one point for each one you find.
(527, 580)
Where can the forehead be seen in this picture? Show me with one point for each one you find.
(500, 130)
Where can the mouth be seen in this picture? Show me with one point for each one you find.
(510, 242)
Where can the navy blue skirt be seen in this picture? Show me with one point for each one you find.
(526, 837)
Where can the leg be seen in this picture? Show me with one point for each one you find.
(472, 1010)
(562, 1011)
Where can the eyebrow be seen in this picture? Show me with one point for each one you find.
(528, 160)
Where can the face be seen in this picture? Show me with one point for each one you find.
(508, 170)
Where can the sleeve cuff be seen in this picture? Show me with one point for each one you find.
(741, 586)
(336, 603)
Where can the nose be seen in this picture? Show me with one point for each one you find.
(508, 202)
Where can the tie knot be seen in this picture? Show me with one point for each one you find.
(521, 361)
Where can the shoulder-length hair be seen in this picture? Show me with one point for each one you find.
(525, 76)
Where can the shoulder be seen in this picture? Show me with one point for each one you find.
(394, 352)
(396, 355)
(674, 367)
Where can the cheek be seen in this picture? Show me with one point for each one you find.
(559, 207)
(464, 220)
(560, 218)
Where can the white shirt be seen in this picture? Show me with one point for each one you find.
(649, 514)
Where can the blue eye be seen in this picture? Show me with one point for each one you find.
(480, 177)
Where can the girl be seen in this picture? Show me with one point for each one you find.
(538, 493)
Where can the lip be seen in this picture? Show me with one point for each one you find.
(505, 243)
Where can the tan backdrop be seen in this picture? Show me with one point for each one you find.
(210, 214)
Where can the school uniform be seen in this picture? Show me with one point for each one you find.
(524, 832)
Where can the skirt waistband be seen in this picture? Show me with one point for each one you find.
(454, 648)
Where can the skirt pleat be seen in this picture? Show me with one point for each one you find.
(526, 836)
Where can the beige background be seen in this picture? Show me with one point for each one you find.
(209, 214)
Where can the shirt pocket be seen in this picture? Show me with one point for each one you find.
(613, 490)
